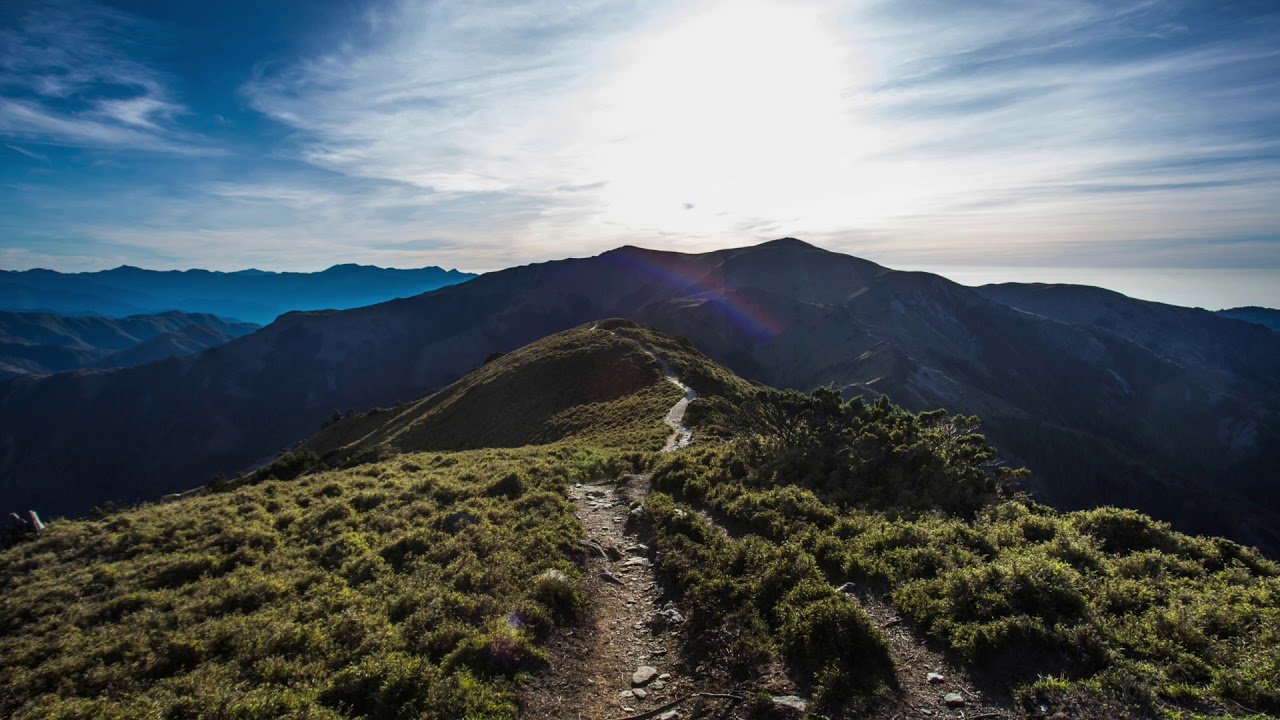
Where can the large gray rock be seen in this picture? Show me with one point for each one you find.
(667, 617)
(643, 675)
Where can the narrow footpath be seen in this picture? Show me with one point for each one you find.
(620, 660)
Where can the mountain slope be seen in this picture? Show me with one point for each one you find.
(595, 382)
(253, 295)
(1223, 370)
(1266, 317)
(185, 341)
(818, 553)
(47, 342)
(1191, 337)
(1100, 417)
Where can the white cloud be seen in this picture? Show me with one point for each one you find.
(27, 153)
(483, 135)
(972, 132)
(70, 78)
(32, 122)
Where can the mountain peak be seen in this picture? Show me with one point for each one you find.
(789, 242)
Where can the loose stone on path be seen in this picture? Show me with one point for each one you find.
(643, 675)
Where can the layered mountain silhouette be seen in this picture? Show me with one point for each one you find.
(1267, 317)
(253, 295)
(1180, 423)
(42, 343)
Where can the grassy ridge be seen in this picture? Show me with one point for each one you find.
(415, 587)
(372, 582)
(595, 383)
(385, 571)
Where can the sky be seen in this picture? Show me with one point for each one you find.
(1061, 140)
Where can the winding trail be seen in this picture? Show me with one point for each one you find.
(629, 623)
(681, 435)
(627, 626)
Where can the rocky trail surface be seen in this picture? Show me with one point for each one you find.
(623, 659)
(681, 435)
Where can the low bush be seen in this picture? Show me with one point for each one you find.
(750, 600)
(913, 508)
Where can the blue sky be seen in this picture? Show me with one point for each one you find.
(954, 136)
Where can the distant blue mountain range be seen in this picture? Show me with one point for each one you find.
(255, 296)
(43, 343)
(1257, 315)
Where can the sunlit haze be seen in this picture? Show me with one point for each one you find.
(1134, 145)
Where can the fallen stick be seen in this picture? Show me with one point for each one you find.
(659, 710)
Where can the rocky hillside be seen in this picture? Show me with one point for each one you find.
(1098, 413)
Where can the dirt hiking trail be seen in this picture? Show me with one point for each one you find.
(622, 659)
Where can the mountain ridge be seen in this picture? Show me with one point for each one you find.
(1267, 317)
(1102, 418)
(524, 544)
(253, 295)
(42, 343)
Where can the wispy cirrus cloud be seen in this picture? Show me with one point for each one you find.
(956, 130)
(68, 76)
(27, 153)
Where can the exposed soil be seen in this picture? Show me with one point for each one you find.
(593, 661)
(913, 661)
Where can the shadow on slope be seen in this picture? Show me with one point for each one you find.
(595, 382)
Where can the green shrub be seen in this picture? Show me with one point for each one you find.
(554, 589)
(504, 648)
(1145, 617)
(820, 628)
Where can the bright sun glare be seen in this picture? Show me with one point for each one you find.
(739, 109)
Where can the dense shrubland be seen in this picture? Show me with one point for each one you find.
(1105, 608)
(752, 599)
